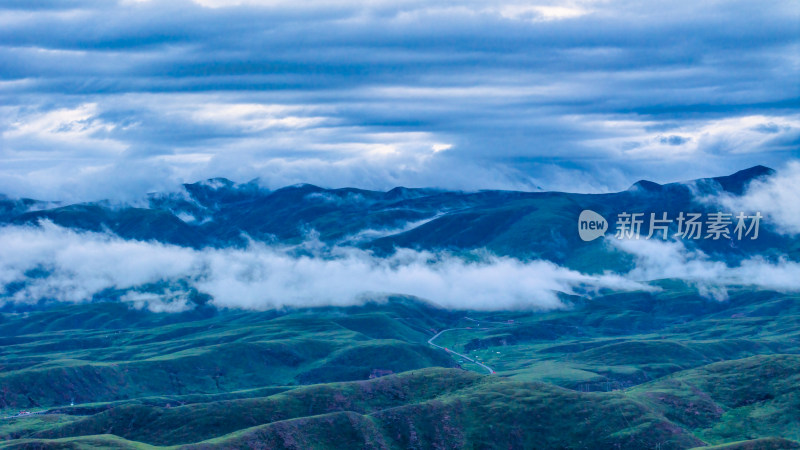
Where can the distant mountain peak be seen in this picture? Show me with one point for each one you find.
(645, 185)
(750, 173)
(214, 184)
(218, 182)
(737, 182)
(404, 193)
(398, 192)
(302, 187)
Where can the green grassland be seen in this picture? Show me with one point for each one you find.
(664, 369)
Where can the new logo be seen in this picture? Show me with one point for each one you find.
(591, 225)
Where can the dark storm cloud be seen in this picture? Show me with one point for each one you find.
(673, 140)
(577, 95)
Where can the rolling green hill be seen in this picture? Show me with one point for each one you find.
(663, 368)
(668, 369)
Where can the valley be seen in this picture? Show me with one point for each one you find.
(625, 369)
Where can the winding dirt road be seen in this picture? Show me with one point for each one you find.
(430, 341)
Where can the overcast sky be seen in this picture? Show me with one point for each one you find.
(115, 99)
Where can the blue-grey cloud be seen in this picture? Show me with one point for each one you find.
(102, 98)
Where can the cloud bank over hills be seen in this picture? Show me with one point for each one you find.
(45, 262)
(54, 263)
(51, 262)
(778, 197)
(121, 98)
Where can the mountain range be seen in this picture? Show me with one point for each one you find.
(659, 364)
(525, 225)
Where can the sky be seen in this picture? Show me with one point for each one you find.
(104, 99)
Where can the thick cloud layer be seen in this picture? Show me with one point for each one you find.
(776, 197)
(63, 265)
(54, 263)
(659, 260)
(103, 98)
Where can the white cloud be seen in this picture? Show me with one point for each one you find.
(368, 93)
(542, 13)
(371, 234)
(79, 265)
(253, 117)
(777, 198)
(170, 301)
(643, 139)
(63, 127)
(50, 262)
(659, 260)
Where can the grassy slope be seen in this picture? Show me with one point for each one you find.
(54, 357)
(691, 371)
(444, 407)
(732, 400)
(452, 408)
